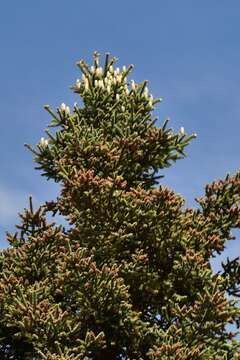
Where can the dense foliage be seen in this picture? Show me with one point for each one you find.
(130, 277)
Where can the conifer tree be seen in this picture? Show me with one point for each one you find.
(130, 277)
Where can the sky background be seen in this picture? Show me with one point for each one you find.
(188, 50)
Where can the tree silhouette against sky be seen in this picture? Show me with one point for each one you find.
(130, 277)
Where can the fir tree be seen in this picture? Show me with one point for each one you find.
(130, 278)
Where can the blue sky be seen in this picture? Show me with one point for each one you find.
(189, 51)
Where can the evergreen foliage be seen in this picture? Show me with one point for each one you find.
(131, 276)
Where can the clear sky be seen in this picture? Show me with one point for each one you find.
(188, 50)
